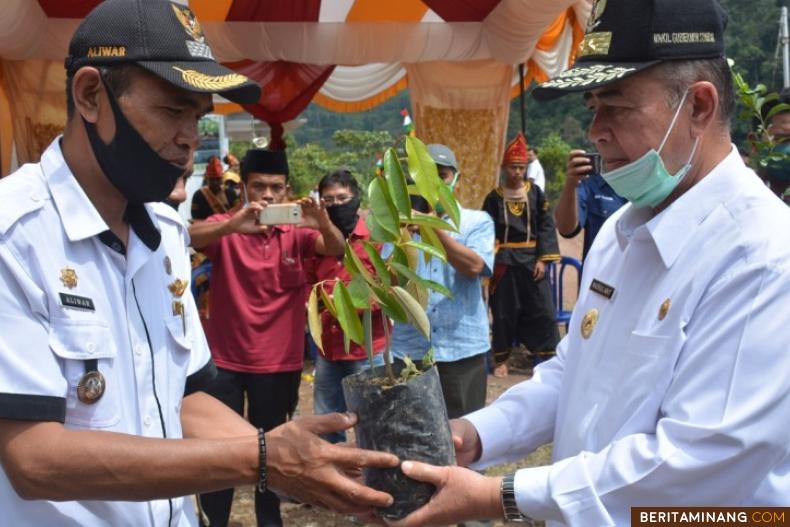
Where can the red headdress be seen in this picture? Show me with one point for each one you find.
(516, 151)
(214, 168)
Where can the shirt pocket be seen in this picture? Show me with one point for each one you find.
(643, 372)
(75, 342)
(291, 275)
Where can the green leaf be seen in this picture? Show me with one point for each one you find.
(419, 291)
(411, 252)
(378, 263)
(422, 169)
(779, 108)
(428, 249)
(428, 235)
(424, 282)
(450, 205)
(314, 318)
(383, 209)
(358, 264)
(398, 256)
(359, 292)
(429, 220)
(347, 314)
(377, 233)
(389, 304)
(327, 300)
(414, 311)
(396, 180)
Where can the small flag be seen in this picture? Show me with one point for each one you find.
(408, 126)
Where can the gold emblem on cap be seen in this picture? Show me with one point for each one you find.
(190, 22)
(178, 287)
(664, 309)
(91, 387)
(68, 277)
(202, 81)
(599, 6)
(588, 323)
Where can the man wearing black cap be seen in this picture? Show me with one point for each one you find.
(102, 358)
(666, 390)
(257, 316)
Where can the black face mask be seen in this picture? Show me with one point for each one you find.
(345, 216)
(133, 167)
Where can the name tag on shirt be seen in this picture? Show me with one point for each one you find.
(80, 302)
(601, 288)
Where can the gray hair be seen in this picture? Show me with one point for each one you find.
(678, 75)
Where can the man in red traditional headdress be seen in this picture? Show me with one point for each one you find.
(213, 197)
(520, 297)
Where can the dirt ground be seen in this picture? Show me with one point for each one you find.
(243, 512)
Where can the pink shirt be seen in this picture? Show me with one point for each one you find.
(256, 300)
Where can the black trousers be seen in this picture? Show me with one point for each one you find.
(463, 384)
(523, 313)
(271, 401)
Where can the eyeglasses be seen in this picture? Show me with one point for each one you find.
(337, 200)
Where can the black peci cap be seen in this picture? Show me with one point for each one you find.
(161, 36)
(624, 37)
(262, 161)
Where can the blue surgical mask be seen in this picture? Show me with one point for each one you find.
(646, 182)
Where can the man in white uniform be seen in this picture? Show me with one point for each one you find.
(671, 387)
(103, 420)
(535, 171)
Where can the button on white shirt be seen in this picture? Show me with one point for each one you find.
(139, 344)
(665, 407)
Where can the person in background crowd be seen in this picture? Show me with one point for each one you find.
(586, 200)
(231, 178)
(339, 192)
(777, 173)
(535, 172)
(212, 198)
(103, 415)
(520, 296)
(669, 390)
(256, 327)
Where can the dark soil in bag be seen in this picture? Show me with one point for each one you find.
(408, 420)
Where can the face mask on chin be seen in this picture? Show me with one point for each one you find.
(131, 165)
(646, 181)
(345, 216)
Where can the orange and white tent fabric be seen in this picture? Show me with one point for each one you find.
(346, 55)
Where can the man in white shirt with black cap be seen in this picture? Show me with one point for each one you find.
(671, 387)
(103, 420)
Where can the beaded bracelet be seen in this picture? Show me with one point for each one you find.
(261, 461)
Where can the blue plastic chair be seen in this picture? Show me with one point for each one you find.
(555, 277)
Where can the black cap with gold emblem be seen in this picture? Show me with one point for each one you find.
(161, 36)
(624, 37)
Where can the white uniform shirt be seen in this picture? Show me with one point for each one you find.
(536, 174)
(148, 359)
(688, 408)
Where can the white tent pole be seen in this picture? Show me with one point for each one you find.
(784, 40)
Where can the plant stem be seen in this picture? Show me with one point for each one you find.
(387, 356)
(367, 322)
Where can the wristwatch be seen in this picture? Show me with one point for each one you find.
(508, 494)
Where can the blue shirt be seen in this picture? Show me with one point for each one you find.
(596, 201)
(459, 325)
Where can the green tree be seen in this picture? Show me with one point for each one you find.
(553, 153)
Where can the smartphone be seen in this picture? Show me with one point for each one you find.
(280, 214)
(595, 161)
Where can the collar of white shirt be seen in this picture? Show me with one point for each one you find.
(79, 217)
(674, 226)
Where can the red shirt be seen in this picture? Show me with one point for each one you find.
(256, 300)
(331, 268)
